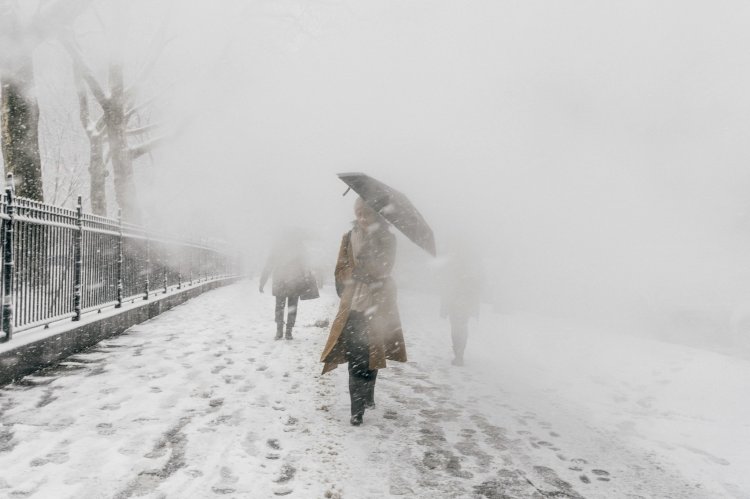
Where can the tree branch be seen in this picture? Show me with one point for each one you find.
(133, 110)
(143, 129)
(139, 150)
(100, 128)
(85, 72)
(156, 49)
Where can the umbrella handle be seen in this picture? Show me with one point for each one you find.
(347, 191)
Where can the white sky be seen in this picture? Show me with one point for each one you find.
(596, 150)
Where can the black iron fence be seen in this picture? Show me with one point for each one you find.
(59, 263)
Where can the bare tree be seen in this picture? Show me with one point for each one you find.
(95, 133)
(19, 110)
(120, 124)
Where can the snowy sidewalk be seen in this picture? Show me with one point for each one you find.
(202, 402)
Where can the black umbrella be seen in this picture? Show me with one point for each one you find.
(394, 207)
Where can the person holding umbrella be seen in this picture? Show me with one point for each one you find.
(367, 329)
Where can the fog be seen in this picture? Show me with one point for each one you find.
(594, 154)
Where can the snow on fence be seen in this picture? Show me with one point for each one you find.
(59, 263)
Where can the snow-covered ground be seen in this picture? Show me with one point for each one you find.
(202, 402)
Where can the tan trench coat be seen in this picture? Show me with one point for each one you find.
(385, 335)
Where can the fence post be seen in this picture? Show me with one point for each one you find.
(119, 259)
(201, 269)
(164, 262)
(8, 261)
(77, 255)
(190, 264)
(148, 267)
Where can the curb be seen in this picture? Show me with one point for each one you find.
(35, 350)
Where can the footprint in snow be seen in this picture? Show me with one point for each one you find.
(551, 478)
(290, 421)
(105, 429)
(286, 473)
(248, 444)
(58, 457)
(602, 475)
(227, 476)
(273, 443)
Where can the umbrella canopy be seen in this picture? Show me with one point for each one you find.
(394, 207)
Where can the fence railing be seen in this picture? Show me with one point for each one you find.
(59, 263)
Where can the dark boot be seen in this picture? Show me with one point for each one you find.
(279, 330)
(357, 394)
(289, 333)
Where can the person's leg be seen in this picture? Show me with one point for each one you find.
(358, 354)
(291, 316)
(370, 399)
(280, 301)
(459, 333)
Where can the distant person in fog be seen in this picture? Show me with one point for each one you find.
(367, 328)
(460, 297)
(287, 267)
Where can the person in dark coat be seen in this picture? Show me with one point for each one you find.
(286, 266)
(367, 328)
(460, 297)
